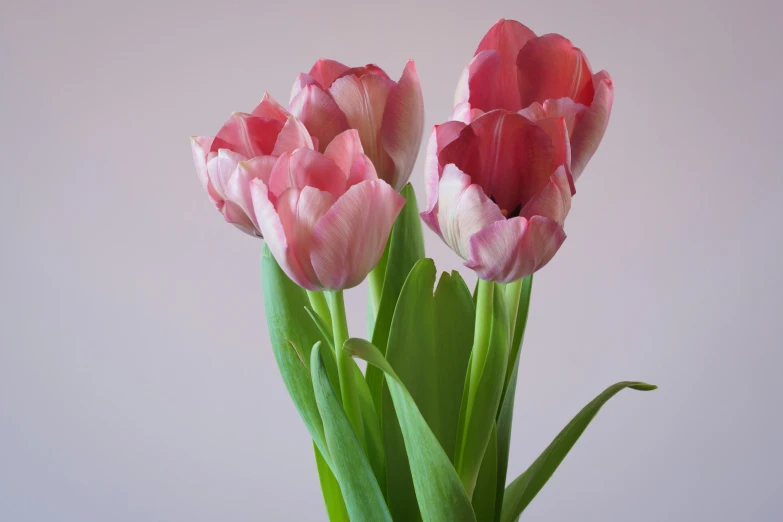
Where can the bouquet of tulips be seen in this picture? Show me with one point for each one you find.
(423, 433)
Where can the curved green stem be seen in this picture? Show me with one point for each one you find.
(345, 364)
(485, 297)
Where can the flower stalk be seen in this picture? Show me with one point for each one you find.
(345, 365)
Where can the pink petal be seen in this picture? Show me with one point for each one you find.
(565, 108)
(271, 227)
(550, 67)
(462, 210)
(557, 131)
(363, 101)
(306, 168)
(238, 188)
(590, 130)
(220, 168)
(349, 239)
(319, 113)
(293, 136)
(509, 156)
(441, 136)
(403, 125)
(200, 146)
(511, 249)
(270, 109)
(237, 217)
(493, 83)
(465, 113)
(248, 135)
(325, 71)
(347, 153)
(302, 81)
(554, 201)
(506, 37)
(300, 211)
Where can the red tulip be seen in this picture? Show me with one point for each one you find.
(513, 69)
(498, 191)
(389, 115)
(263, 135)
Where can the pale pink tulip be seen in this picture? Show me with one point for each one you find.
(389, 115)
(325, 217)
(514, 69)
(263, 135)
(499, 190)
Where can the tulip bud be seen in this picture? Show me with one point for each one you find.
(388, 115)
(261, 137)
(325, 217)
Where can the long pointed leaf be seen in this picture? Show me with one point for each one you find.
(520, 492)
(506, 413)
(485, 494)
(429, 347)
(333, 497)
(478, 411)
(439, 491)
(363, 497)
(406, 247)
(289, 326)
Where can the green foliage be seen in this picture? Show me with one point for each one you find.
(361, 492)
(520, 492)
(429, 347)
(439, 492)
(404, 249)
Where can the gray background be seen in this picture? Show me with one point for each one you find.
(136, 378)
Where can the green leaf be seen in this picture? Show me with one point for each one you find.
(480, 403)
(363, 497)
(406, 247)
(520, 492)
(290, 329)
(506, 412)
(429, 347)
(439, 492)
(333, 497)
(485, 494)
(372, 427)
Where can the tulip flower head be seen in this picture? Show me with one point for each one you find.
(514, 69)
(498, 191)
(388, 115)
(263, 135)
(325, 217)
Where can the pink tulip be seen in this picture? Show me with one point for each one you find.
(389, 115)
(498, 191)
(514, 69)
(325, 217)
(263, 135)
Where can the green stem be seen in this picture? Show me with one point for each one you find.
(513, 293)
(484, 300)
(320, 307)
(345, 365)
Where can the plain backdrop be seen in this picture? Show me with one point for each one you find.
(136, 378)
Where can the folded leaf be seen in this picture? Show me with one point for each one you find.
(506, 412)
(363, 497)
(333, 497)
(520, 492)
(405, 248)
(479, 407)
(289, 326)
(429, 347)
(439, 491)
(485, 494)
